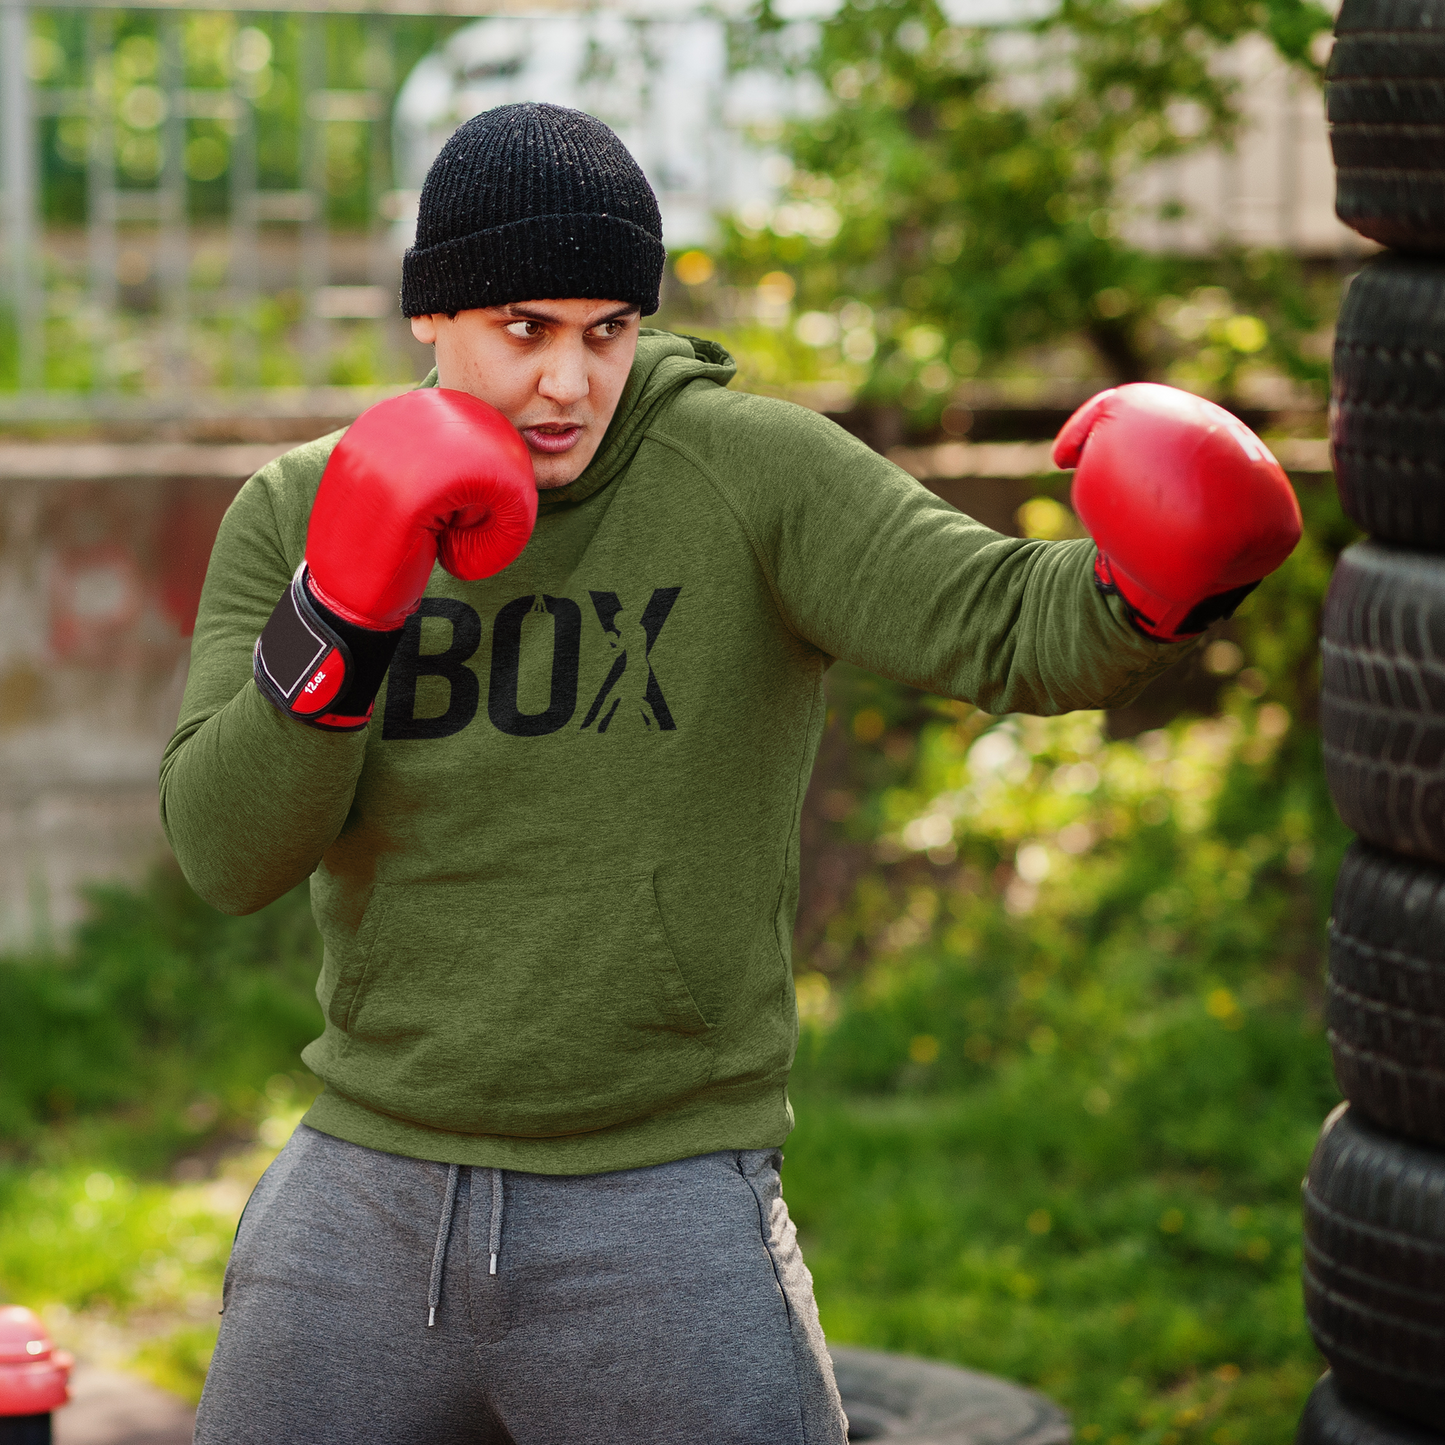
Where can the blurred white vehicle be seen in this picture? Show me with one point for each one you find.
(660, 80)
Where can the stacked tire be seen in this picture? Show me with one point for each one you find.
(1374, 1198)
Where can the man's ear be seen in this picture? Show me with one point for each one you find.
(424, 328)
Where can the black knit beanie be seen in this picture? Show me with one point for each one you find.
(532, 202)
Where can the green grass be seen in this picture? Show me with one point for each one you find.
(124, 1265)
(1158, 1306)
(149, 1075)
(1142, 1270)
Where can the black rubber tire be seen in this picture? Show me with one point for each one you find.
(24, 1430)
(1387, 991)
(901, 1398)
(1374, 1265)
(1382, 697)
(1333, 1418)
(1387, 401)
(1385, 100)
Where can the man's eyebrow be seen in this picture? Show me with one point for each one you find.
(621, 314)
(524, 313)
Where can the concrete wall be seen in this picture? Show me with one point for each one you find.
(102, 554)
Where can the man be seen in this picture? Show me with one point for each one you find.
(630, 692)
(555, 868)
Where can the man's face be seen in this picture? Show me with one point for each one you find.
(554, 369)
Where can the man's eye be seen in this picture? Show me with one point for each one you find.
(607, 328)
(525, 328)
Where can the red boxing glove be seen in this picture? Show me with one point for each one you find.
(430, 475)
(1189, 510)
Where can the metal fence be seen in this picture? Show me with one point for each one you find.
(148, 247)
(215, 199)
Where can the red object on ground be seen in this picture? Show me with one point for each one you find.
(34, 1375)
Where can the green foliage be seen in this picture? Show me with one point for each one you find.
(965, 188)
(91, 1243)
(164, 1010)
(119, 57)
(90, 1238)
(1059, 893)
(1279, 625)
(179, 1360)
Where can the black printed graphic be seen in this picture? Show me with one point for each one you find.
(626, 693)
(629, 694)
(502, 701)
(410, 663)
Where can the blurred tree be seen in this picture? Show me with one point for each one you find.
(963, 188)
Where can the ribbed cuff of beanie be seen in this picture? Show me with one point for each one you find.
(596, 257)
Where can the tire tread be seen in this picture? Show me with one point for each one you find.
(1385, 999)
(1374, 1268)
(1382, 701)
(1387, 401)
(1385, 102)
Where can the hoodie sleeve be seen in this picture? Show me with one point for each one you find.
(251, 799)
(869, 566)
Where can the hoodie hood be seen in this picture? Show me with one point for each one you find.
(665, 363)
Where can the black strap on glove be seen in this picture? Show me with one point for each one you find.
(317, 667)
(1203, 614)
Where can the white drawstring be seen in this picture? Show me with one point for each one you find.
(439, 1254)
(496, 1239)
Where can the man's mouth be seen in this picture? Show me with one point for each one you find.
(550, 438)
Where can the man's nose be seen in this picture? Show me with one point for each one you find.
(564, 379)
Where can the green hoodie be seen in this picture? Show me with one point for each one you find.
(556, 875)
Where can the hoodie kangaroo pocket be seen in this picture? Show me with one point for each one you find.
(522, 1009)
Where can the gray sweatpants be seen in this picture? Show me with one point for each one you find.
(642, 1307)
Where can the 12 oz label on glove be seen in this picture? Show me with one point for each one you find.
(302, 664)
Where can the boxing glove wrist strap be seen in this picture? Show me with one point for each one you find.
(318, 667)
(1169, 621)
